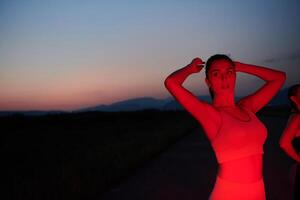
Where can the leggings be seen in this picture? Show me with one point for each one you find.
(229, 190)
(297, 184)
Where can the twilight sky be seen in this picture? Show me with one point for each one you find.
(68, 54)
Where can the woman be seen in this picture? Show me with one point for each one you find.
(235, 133)
(291, 134)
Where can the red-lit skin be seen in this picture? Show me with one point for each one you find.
(221, 80)
(292, 128)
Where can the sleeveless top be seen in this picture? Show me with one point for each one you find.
(237, 138)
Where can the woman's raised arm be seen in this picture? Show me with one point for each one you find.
(274, 80)
(288, 135)
(204, 113)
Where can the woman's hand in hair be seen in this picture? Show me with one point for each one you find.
(196, 65)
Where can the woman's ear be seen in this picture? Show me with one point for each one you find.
(207, 82)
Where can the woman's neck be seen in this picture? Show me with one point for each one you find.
(226, 100)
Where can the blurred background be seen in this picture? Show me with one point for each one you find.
(73, 54)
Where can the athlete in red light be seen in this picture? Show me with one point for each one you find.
(291, 134)
(236, 134)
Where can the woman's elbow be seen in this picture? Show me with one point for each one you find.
(281, 76)
(168, 82)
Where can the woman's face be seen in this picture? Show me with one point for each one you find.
(221, 77)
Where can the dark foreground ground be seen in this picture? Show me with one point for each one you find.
(81, 155)
(187, 170)
(146, 155)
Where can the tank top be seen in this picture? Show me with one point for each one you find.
(237, 138)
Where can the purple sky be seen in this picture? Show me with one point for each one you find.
(65, 54)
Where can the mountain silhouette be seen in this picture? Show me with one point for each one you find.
(166, 104)
(130, 105)
(143, 103)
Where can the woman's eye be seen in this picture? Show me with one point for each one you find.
(215, 74)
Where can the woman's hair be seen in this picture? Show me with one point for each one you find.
(292, 92)
(210, 61)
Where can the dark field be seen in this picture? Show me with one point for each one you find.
(147, 155)
(80, 156)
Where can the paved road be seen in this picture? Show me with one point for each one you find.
(187, 170)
